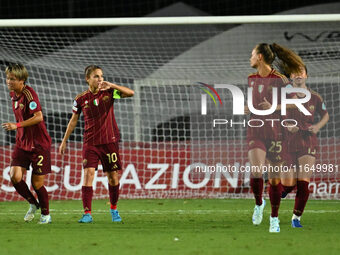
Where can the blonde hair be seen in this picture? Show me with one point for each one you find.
(19, 71)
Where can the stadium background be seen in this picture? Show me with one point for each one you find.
(162, 130)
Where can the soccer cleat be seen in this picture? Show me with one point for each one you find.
(258, 213)
(274, 225)
(86, 218)
(30, 213)
(115, 216)
(45, 219)
(296, 223)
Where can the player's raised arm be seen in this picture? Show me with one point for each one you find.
(124, 91)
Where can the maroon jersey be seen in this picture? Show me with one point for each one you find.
(24, 107)
(100, 123)
(262, 88)
(303, 139)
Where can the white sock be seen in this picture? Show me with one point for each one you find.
(296, 217)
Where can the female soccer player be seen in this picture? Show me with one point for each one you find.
(32, 142)
(265, 143)
(303, 144)
(101, 136)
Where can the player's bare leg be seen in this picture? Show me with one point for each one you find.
(38, 185)
(257, 158)
(113, 179)
(87, 194)
(21, 187)
(288, 181)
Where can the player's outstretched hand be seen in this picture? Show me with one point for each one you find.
(9, 126)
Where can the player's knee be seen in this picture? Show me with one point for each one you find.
(274, 181)
(15, 179)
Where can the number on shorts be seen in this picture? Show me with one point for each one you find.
(112, 157)
(312, 152)
(276, 146)
(40, 161)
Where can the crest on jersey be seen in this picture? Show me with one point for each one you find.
(96, 102)
(105, 99)
(15, 104)
(21, 106)
(33, 105)
(260, 88)
(311, 108)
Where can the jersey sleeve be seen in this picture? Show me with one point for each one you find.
(321, 107)
(32, 101)
(76, 108)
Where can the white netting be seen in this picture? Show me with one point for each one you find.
(163, 131)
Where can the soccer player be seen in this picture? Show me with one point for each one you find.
(266, 146)
(101, 136)
(303, 144)
(32, 142)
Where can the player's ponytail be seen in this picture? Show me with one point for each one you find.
(289, 62)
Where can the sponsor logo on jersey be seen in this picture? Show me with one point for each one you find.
(33, 105)
(260, 88)
(96, 102)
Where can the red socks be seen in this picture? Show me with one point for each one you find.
(87, 193)
(23, 191)
(114, 194)
(43, 200)
(257, 186)
(301, 198)
(275, 198)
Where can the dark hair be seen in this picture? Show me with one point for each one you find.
(89, 69)
(289, 62)
(266, 51)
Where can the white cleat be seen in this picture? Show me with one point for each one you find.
(45, 219)
(258, 213)
(30, 213)
(274, 225)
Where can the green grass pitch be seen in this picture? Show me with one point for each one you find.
(176, 226)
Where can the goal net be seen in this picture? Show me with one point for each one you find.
(165, 136)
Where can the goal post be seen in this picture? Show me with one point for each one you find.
(171, 63)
